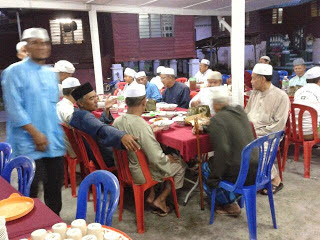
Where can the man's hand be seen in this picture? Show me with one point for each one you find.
(109, 102)
(196, 103)
(41, 141)
(129, 142)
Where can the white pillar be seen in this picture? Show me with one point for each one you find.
(141, 65)
(96, 51)
(173, 65)
(237, 50)
(194, 66)
(156, 64)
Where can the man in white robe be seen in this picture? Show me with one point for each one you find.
(202, 75)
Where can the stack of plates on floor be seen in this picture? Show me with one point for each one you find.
(3, 229)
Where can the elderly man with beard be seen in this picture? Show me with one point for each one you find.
(30, 95)
(152, 90)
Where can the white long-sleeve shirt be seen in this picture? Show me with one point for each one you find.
(202, 77)
(157, 81)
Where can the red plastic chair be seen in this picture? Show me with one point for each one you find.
(295, 135)
(120, 86)
(182, 80)
(246, 100)
(125, 178)
(291, 99)
(193, 94)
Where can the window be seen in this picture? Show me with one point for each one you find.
(247, 19)
(155, 25)
(277, 15)
(62, 31)
(315, 11)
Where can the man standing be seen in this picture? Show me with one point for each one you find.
(267, 109)
(202, 75)
(230, 131)
(275, 75)
(175, 92)
(152, 90)
(65, 69)
(299, 69)
(30, 95)
(157, 79)
(106, 136)
(21, 50)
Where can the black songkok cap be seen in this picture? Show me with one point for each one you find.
(82, 90)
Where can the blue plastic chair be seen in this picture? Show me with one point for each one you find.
(105, 183)
(268, 147)
(282, 74)
(249, 71)
(225, 78)
(26, 168)
(292, 75)
(5, 152)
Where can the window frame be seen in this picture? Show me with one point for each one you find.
(163, 32)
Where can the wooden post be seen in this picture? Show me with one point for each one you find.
(196, 125)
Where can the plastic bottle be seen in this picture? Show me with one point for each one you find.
(285, 84)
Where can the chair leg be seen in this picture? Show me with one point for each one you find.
(250, 200)
(271, 203)
(175, 199)
(279, 163)
(307, 149)
(72, 163)
(296, 151)
(213, 201)
(65, 165)
(285, 153)
(139, 203)
(121, 201)
(94, 193)
(241, 202)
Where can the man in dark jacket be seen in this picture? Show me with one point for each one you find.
(230, 131)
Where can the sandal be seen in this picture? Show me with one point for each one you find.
(275, 189)
(160, 212)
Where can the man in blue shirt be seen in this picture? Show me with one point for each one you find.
(152, 90)
(30, 96)
(175, 92)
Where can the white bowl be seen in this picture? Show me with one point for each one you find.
(164, 124)
(179, 120)
(153, 120)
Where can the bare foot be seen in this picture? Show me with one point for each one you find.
(161, 204)
(151, 197)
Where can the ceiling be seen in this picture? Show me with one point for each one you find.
(176, 7)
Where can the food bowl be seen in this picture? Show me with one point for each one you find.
(179, 120)
(166, 106)
(153, 120)
(148, 115)
(164, 124)
(168, 114)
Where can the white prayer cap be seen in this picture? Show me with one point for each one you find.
(20, 45)
(35, 33)
(70, 82)
(205, 61)
(262, 69)
(266, 58)
(130, 72)
(64, 66)
(298, 61)
(214, 75)
(168, 71)
(313, 73)
(220, 94)
(159, 69)
(141, 74)
(136, 90)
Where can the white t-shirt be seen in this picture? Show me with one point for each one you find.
(202, 77)
(308, 95)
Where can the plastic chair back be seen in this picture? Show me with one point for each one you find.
(246, 100)
(26, 168)
(296, 122)
(182, 80)
(249, 71)
(282, 74)
(5, 152)
(107, 190)
(72, 139)
(121, 85)
(193, 94)
(292, 75)
(225, 78)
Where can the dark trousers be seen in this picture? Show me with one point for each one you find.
(50, 172)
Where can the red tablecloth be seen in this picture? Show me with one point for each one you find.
(40, 216)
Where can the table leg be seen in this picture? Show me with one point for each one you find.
(196, 183)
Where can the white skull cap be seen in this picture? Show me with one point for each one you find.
(70, 82)
(64, 66)
(141, 74)
(262, 69)
(130, 72)
(136, 90)
(205, 61)
(40, 33)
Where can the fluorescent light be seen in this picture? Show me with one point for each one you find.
(64, 20)
(146, 3)
(192, 5)
(90, 1)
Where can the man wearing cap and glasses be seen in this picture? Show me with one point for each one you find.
(30, 95)
(176, 92)
(202, 75)
(157, 79)
(152, 91)
(267, 109)
(309, 95)
(299, 69)
(106, 136)
(275, 75)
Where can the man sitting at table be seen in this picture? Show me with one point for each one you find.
(106, 136)
(65, 107)
(129, 75)
(152, 91)
(230, 131)
(299, 69)
(267, 109)
(160, 165)
(202, 75)
(157, 79)
(204, 97)
(175, 92)
(309, 95)
(275, 75)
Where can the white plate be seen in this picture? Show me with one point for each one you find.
(152, 120)
(164, 123)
